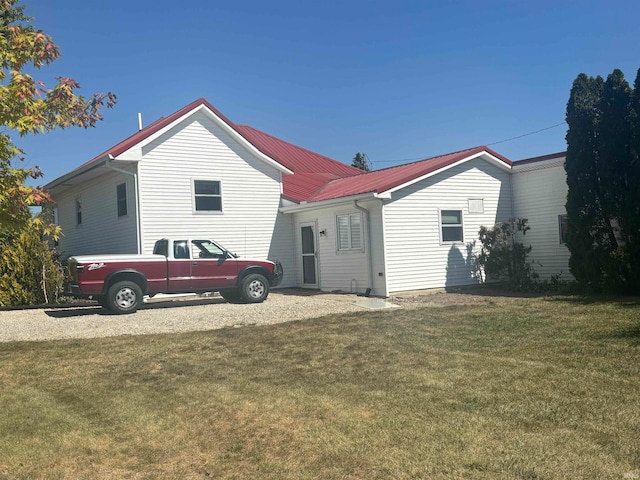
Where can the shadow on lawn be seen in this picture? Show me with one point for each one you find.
(153, 305)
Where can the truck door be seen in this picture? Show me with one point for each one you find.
(179, 270)
(211, 267)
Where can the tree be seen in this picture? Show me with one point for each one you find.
(360, 161)
(603, 202)
(27, 106)
(28, 269)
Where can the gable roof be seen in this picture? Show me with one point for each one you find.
(390, 179)
(314, 169)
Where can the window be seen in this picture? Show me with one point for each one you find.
(180, 249)
(78, 211)
(161, 248)
(562, 229)
(207, 196)
(451, 224)
(121, 191)
(349, 232)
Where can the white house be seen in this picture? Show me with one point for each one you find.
(332, 226)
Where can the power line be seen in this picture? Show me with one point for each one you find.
(488, 144)
(527, 134)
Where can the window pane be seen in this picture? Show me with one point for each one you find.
(180, 249)
(122, 199)
(307, 240)
(451, 217)
(356, 236)
(205, 187)
(209, 203)
(452, 234)
(562, 223)
(343, 232)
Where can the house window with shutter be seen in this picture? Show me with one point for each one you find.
(207, 196)
(350, 237)
(451, 226)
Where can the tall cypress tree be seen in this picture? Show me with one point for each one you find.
(603, 203)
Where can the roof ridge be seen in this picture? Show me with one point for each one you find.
(432, 158)
(342, 164)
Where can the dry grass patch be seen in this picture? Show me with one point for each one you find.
(531, 388)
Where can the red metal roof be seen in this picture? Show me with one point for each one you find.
(542, 158)
(383, 180)
(311, 170)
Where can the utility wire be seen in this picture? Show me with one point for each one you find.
(488, 144)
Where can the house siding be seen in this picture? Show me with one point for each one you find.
(345, 271)
(101, 229)
(540, 195)
(415, 256)
(199, 149)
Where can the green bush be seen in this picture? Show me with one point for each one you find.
(30, 273)
(503, 258)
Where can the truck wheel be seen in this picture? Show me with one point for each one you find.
(255, 288)
(231, 295)
(124, 297)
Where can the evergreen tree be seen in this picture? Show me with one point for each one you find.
(602, 175)
(360, 161)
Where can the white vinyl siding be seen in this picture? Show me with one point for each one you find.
(101, 231)
(415, 256)
(249, 188)
(540, 194)
(340, 272)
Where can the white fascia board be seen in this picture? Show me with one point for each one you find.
(304, 206)
(486, 156)
(550, 163)
(74, 173)
(135, 152)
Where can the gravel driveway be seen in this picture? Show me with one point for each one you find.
(193, 313)
(169, 316)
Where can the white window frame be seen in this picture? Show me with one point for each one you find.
(561, 241)
(193, 196)
(441, 226)
(126, 200)
(350, 247)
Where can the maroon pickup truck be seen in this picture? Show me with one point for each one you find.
(118, 282)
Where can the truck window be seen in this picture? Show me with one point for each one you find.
(208, 249)
(180, 249)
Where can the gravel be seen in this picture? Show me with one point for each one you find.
(197, 313)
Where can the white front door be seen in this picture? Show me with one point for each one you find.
(309, 255)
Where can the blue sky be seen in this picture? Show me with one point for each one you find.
(398, 80)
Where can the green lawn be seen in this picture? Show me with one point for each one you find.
(538, 388)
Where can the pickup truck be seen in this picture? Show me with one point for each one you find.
(119, 282)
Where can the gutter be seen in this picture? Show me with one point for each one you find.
(137, 197)
(367, 246)
(305, 206)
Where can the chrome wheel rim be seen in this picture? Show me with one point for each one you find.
(126, 298)
(255, 289)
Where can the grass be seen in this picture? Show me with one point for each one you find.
(537, 388)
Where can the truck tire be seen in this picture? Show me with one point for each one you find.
(124, 297)
(231, 295)
(255, 288)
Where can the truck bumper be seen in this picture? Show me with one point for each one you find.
(278, 273)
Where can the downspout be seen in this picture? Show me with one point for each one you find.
(135, 192)
(367, 245)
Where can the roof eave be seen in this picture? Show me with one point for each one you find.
(305, 206)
